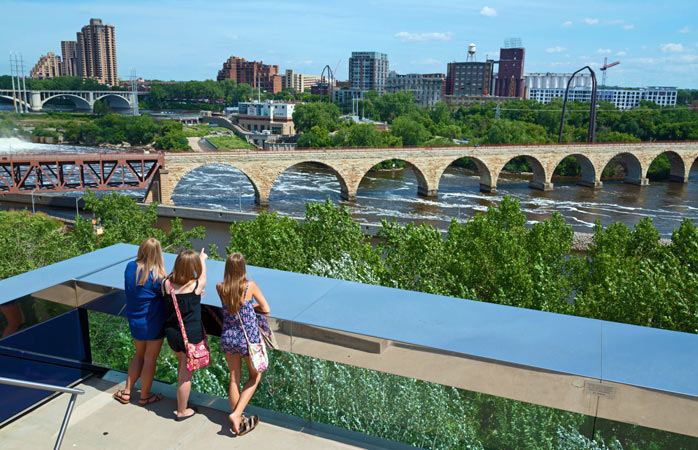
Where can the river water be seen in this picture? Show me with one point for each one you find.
(393, 195)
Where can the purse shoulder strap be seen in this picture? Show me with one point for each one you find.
(179, 315)
(240, 318)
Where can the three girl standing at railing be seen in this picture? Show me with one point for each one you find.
(158, 305)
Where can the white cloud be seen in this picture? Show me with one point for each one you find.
(404, 36)
(621, 54)
(685, 30)
(567, 24)
(589, 21)
(671, 48)
(629, 26)
(556, 49)
(488, 12)
(604, 51)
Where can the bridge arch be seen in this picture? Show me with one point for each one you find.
(634, 170)
(425, 188)
(80, 103)
(541, 178)
(589, 176)
(481, 167)
(115, 100)
(678, 168)
(225, 170)
(9, 97)
(341, 178)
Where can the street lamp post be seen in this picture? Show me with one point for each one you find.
(591, 135)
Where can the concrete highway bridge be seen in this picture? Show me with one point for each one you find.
(350, 166)
(83, 99)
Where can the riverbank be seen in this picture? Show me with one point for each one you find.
(216, 221)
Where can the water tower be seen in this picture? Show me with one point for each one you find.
(471, 53)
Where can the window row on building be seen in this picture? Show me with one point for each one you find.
(621, 98)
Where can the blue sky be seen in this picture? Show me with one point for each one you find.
(656, 42)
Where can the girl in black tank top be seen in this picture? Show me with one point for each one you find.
(187, 280)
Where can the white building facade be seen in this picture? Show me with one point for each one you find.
(427, 88)
(621, 98)
(276, 117)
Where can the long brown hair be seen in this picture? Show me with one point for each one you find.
(187, 267)
(234, 279)
(149, 259)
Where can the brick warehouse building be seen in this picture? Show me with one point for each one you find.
(249, 72)
(510, 79)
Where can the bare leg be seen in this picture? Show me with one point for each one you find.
(14, 318)
(183, 386)
(135, 367)
(152, 351)
(235, 367)
(246, 395)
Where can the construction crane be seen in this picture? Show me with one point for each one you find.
(604, 67)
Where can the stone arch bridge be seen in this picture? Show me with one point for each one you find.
(262, 168)
(83, 99)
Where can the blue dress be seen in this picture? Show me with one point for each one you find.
(145, 308)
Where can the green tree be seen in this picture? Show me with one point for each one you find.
(101, 107)
(30, 241)
(410, 130)
(323, 115)
(123, 220)
(317, 137)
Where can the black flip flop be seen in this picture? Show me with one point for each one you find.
(181, 418)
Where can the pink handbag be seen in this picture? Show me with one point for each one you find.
(198, 355)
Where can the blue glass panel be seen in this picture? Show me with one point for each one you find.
(63, 336)
(15, 399)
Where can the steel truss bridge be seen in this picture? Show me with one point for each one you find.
(77, 172)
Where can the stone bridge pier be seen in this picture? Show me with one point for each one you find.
(350, 166)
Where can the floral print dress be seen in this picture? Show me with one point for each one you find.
(232, 338)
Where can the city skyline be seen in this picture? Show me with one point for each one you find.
(656, 46)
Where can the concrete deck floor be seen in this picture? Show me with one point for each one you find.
(100, 422)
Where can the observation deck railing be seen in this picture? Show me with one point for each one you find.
(605, 370)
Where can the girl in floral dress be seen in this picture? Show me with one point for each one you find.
(241, 299)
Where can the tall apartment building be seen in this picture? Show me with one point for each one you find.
(470, 78)
(427, 88)
(368, 71)
(250, 72)
(69, 52)
(48, 66)
(621, 98)
(510, 81)
(96, 53)
(299, 82)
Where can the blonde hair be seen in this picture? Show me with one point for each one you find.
(187, 267)
(149, 259)
(233, 286)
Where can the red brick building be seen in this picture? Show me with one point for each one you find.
(249, 72)
(510, 80)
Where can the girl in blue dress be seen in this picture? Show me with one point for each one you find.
(238, 296)
(145, 310)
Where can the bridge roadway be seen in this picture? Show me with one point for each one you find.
(35, 100)
(262, 168)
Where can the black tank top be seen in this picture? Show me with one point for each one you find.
(190, 308)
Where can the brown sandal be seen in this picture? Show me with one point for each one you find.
(248, 424)
(119, 397)
(152, 398)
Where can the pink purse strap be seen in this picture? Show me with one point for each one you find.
(179, 315)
